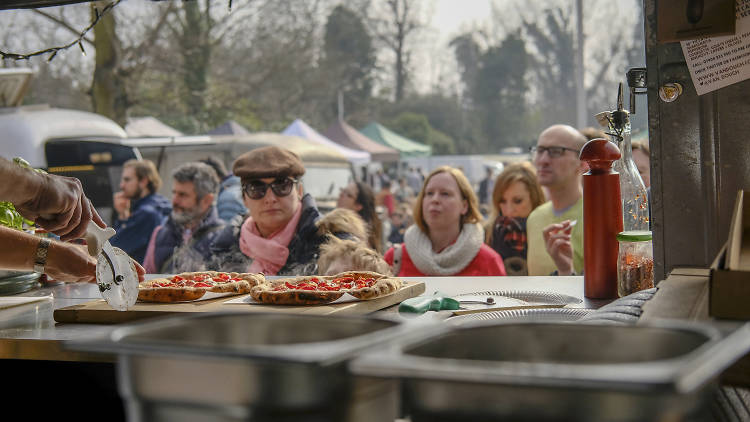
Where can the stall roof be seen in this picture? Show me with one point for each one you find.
(341, 133)
(149, 126)
(229, 128)
(299, 128)
(387, 137)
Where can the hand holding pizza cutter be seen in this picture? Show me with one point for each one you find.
(116, 275)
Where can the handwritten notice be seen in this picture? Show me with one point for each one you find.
(721, 61)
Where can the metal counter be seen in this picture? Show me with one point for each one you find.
(30, 332)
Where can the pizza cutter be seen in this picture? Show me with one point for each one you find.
(116, 275)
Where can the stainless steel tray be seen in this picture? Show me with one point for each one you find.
(533, 371)
(252, 366)
(537, 315)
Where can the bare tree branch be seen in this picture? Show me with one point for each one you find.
(64, 24)
(152, 36)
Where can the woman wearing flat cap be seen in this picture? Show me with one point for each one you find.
(280, 235)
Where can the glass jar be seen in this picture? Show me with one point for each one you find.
(635, 262)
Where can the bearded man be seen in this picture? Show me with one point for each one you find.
(183, 242)
(138, 207)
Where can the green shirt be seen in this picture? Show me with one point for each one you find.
(539, 261)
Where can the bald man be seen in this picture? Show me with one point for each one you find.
(555, 228)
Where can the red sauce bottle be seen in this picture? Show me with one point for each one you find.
(602, 219)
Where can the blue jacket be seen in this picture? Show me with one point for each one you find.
(229, 202)
(134, 233)
(169, 259)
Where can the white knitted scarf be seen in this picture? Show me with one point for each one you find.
(450, 260)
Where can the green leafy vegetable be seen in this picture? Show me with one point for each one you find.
(9, 216)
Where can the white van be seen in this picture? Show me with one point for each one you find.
(70, 143)
(67, 142)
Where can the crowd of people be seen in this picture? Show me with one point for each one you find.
(258, 218)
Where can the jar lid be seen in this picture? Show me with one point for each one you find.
(634, 236)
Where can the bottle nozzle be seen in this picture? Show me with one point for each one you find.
(619, 116)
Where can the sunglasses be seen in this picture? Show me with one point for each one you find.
(553, 152)
(256, 189)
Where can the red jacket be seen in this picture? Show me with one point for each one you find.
(487, 262)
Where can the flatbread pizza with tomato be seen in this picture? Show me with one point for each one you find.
(316, 290)
(194, 285)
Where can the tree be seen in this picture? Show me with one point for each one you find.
(116, 65)
(417, 127)
(180, 87)
(607, 54)
(192, 29)
(394, 27)
(348, 59)
(467, 53)
(109, 96)
(270, 66)
(495, 89)
(554, 64)
(499, 92)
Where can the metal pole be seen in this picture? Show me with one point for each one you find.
(341, 106)
(581, 112)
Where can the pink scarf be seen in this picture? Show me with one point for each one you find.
(269, 254)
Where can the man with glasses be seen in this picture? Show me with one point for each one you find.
(555, 228)
(280, 237)
(183, 242)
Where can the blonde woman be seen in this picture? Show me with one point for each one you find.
(517, 192)
(339, 255)
(447, 237)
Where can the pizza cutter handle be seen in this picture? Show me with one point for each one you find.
(96, 236)
(422, 304)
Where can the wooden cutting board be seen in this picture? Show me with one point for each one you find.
(99, 312)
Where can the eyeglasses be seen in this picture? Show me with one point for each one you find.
(256, 189)
(553, 152)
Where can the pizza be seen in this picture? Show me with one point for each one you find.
(316, 290)
(191, 286)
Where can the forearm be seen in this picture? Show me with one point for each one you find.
(21, 185)
(19, 249)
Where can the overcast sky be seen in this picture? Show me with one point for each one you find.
(450, 15)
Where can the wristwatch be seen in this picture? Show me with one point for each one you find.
(40, 258)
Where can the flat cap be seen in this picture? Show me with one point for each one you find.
(266, 162)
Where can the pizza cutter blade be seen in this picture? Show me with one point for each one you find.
(116, 275)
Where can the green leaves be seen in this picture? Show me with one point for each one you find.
(9, 217)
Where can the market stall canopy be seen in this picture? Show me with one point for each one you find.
(387, 137)
(303, 130)
(229, 128)
(341, 133)
(14, 82)
(149, 126)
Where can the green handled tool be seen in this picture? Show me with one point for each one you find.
(422, 304)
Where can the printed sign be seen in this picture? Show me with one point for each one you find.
(721, 61)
